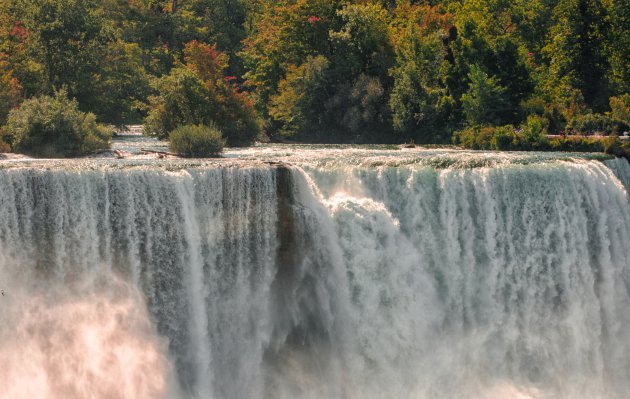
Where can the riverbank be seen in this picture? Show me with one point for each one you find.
(131, 146)
(534, 138)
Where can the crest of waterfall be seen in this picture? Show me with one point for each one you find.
(320, 280)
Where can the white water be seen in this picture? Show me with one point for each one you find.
(480, 277)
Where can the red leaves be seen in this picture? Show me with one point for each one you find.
(434, 18)
(205, 60)
(19, 31)
(313, 19)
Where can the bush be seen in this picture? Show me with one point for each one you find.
(55, 127)
(620, 110)
(591, 123)
(466, 138)
(552, 118)
(476, 137)
(196, 141)
(487, 138)
(534, 134)
(483, 139)
(4, 146)
(503, 138)
(611, 144)
(576, 144)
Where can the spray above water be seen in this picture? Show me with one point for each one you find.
(84, 342)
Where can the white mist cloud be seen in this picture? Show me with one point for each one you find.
(89, 340)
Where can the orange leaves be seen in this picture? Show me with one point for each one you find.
(10, 91)
(19, 31)
(205, 60)
(436, 18)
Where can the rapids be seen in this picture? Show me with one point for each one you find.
(316, 272)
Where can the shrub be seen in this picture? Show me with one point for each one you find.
(55, 127)
(196, 141)
(552, 118)
(487, 138)
(466, 137)
(533, 137)
(483, 138)
(611, 144)
(534, 134)
(503, 138)
(620, 110)
(576, 143)
(4, 146)
(591, 123)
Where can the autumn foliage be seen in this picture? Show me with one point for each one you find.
(198, 92)
(324, 70)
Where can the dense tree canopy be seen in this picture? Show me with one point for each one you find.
(323, 70)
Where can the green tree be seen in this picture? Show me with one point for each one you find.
(575, 55)
(361, 56)
(620, 109)
(121, 86)
(484, 102)
(498, 54)
(362, 43)
(78, 49)
(218, 21)
(358, 112)
(283, 35)
(299, 103)
(618, 43)
(420, 103)
(69, 40)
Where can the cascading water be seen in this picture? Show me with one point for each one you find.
(441, 275)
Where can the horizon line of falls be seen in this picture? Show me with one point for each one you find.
(261, 281)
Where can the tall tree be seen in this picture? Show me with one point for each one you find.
(575, 55)
(484, 102)
(420, 102)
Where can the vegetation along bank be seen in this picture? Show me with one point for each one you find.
(479, 73)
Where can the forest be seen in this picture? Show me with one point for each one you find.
(318, 71)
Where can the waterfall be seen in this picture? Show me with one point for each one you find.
(317, 280)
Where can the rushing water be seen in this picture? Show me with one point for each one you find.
(345, 273)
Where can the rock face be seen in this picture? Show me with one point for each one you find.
(287, 230)
(303, 264)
